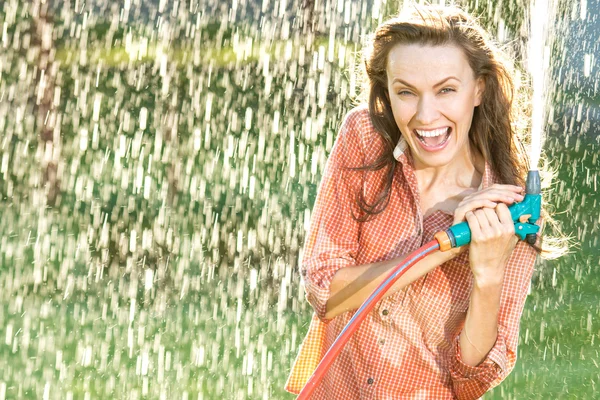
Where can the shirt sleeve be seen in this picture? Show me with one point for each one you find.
(333, 239)
(471, 382)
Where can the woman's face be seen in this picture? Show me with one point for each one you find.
(433, 92)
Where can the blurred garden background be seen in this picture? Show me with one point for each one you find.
(159, 160)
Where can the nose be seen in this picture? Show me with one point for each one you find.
(427, 110)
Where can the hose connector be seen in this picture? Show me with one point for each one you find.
(444, 240)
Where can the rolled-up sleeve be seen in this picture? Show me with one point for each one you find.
(471, 382)
(333, 239)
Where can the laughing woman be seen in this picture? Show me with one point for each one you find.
(436, 145)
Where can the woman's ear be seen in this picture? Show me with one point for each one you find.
(479, 89)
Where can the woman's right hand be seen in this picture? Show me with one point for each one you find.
(488, 198)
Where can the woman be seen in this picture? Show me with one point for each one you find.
(435, 146)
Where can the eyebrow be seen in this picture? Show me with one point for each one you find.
(440, 83)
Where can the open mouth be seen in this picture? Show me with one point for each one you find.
(433, 139)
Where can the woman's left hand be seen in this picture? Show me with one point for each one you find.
(492, 242)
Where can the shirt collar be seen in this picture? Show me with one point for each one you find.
(402, 154)
(399, 151)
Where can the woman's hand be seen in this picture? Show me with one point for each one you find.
(493, 240)
(492, 230)
(489, 197)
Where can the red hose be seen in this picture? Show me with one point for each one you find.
(362, 313)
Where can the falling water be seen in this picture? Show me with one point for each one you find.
(159, 161)
(541, 17)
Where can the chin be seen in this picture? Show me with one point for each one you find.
(433, 160)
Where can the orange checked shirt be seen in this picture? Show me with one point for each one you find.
(407, 347)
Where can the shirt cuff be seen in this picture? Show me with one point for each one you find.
(490, 369)
(317, 281)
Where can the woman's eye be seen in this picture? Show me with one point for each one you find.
(404, 93)
(447, 90)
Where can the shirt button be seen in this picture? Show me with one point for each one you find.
(370, 381)
(385, 312)
(381, 342)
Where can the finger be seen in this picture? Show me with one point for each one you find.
(473, 224)
(484, 218)
(504, 196)
(477, 203)
(482, 221)
(504, 193)
(459, 213)
(505, 218)
(494, 228)
(514, 188)
(504, 215)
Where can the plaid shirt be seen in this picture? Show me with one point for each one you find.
(407, 348)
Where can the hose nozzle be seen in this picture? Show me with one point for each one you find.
(533, 185)
(524, 214)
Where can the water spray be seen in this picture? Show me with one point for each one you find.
(525, 214)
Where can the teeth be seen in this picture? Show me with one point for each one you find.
(434, 133)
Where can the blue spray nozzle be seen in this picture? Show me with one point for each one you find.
(525, 214)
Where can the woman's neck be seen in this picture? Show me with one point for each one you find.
(464, 172)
